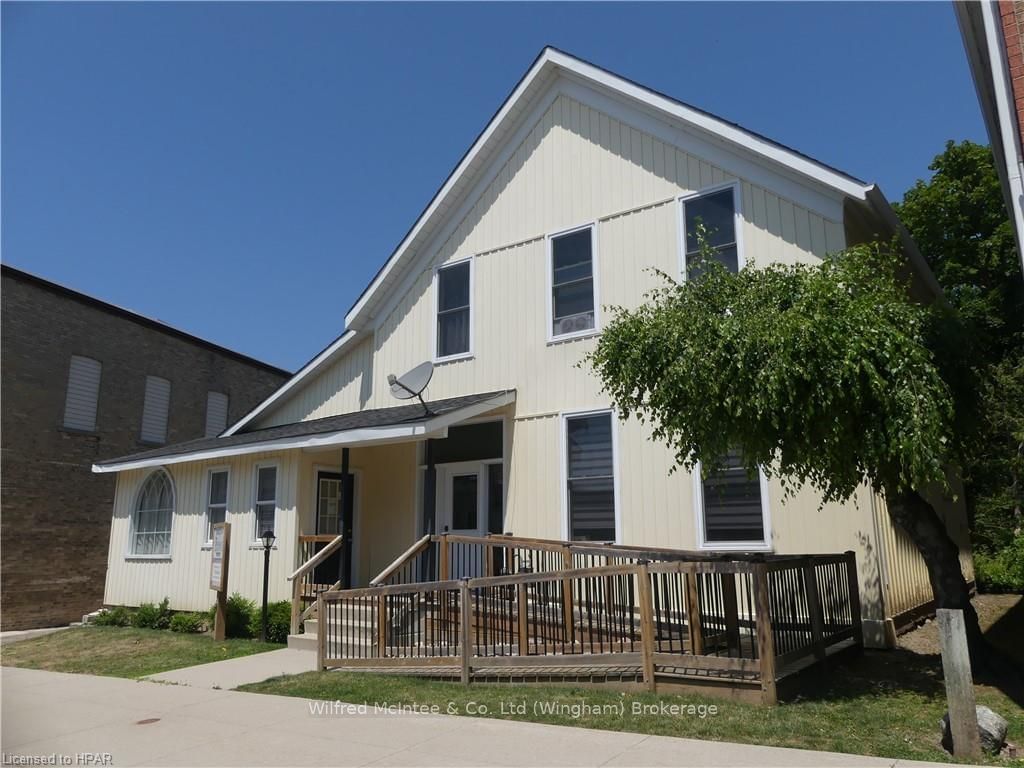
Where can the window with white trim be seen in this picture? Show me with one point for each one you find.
(216, 413)
(717, 212)
(266, 499)
(590, 477)
(153, 515)
(454, 286)
(83, 393)
(154, 410)
(572, 283)
(216, 499)
(732, 507)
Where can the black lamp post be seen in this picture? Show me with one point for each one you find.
(268, 542)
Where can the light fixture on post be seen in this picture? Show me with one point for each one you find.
(268, 544)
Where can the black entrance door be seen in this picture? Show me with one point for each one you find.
(333, 500)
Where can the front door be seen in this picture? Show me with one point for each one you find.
(462, 505)
(329, 522)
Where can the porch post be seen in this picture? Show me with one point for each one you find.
(345, 561)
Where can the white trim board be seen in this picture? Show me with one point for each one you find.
(435, 427)
(314, 365)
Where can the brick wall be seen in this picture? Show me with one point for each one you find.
(1012, 15)
(55, 516)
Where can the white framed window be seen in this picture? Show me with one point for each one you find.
(154, 410)
(265, 500)
(83, 393)
(732, 507)
(718, 210)
(217, 481)
(453, 299)
(589, 456)
(572, 279)
(216, 413)
(153, 516)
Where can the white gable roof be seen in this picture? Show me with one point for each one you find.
(455, 195)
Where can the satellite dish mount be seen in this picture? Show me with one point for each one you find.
(412, 384)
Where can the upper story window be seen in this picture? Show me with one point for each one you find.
(573, 299)
(266, 499)
(83, 393)
(154, 513)
(216, 413)
(732, 508)
(216, 499)
(154, 410)
(454, 318)
(717, 212)
(590, 476)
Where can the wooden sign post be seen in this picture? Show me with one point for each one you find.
(219, 576)
(956, 669)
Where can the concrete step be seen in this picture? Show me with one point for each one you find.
(309, 643)
(302, 642)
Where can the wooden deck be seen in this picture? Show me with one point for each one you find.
(656, 619)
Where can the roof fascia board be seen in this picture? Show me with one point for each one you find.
(789, 163)
(440, 199)
(452, 222)
(370, 435)
(1006, 119)
(314, 365)
(819, 198)
(349, 437)
(878, 202)
(716, 126)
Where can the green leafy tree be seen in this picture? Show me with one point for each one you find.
(959, 221)
(818, 374)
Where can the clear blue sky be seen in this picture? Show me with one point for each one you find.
(241, 171)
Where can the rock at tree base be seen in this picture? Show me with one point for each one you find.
(991, 730)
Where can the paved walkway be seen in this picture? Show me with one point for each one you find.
(16, 635)
(232, 673)
(145, 723)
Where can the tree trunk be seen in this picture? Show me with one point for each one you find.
(918, 519)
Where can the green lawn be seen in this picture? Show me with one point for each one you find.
(886, 704)
(123, 651)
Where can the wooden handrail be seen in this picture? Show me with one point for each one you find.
(410, 553)
(318, 558)
(673, 600)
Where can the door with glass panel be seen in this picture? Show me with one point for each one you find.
(462, 492)
(328, 521)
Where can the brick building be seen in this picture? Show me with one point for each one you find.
(83, 380)
(993, 35)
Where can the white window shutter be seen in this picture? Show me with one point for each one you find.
(216, 413)
(83, 393)
(154, 410)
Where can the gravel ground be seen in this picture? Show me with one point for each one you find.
(1001, 617)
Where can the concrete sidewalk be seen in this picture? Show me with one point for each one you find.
(145, 723)
(232, 673)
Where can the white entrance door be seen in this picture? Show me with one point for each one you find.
(462, 510)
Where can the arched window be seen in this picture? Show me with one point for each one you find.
(154, 511)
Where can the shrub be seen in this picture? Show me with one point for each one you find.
(279, 621)
(118, 616)
(150, 616)
(1003, 571)
(240, 611)
(190, 623)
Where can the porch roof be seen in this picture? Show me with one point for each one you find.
(379, 425)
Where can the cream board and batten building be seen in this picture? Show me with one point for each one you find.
(581, 187)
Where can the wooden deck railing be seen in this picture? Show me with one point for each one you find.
(304, 582)
(743, 620)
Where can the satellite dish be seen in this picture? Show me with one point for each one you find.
(412, 383)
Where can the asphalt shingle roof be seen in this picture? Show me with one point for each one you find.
(377, 417)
